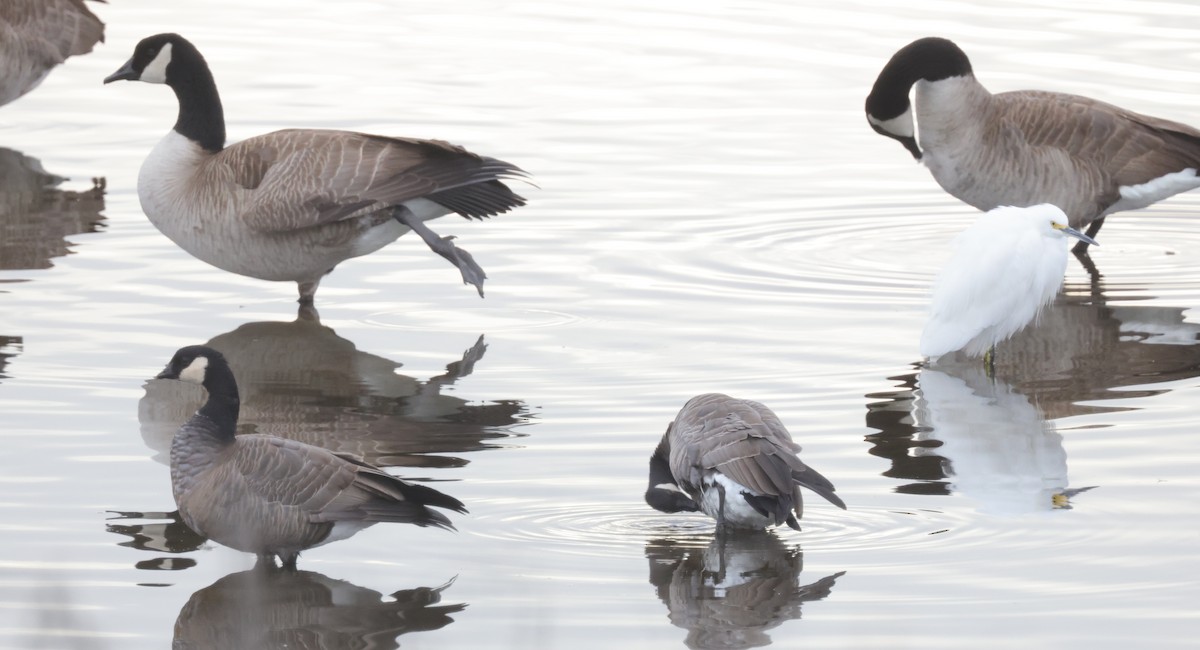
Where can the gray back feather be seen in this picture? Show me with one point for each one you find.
(308, 177)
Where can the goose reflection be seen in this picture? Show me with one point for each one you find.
(994, 440)
(266, 607)
(729, 593)
(10, 346)
(300, 380)
(36, 217)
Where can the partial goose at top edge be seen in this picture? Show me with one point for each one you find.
(36, 36)
(1026, 147)
(272, 496)
(290, 205)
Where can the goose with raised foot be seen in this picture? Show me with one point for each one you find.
(38, 35)
(733, 460)
(1026, 147)
(290, 205)
(271, 496)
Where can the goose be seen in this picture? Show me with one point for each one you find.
(290, 205)
(36, 36)
(1026, 147)
(733, 460)
(271, 496)
(1005, 268)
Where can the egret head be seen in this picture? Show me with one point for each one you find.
(1062, 229)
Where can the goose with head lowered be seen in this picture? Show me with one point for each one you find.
(733, 460)
(273, 496)
(1027, 147)
(292, 204)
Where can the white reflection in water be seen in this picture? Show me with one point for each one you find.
(994, 439)
(272, 608)
(999, 449)
(729, 593)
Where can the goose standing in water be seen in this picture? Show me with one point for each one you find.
(1026, 147)
(733, 460)
(290, 205)
(272, 496)
(36, 36)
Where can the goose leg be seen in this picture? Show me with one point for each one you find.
(720, 506)
(444, 246)
(1092, 231)
(288, 560)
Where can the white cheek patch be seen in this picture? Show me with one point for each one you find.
(901, 125)
(195, 370)
(669, 487)
(156, 70)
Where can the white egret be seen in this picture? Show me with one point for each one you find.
(1005, 267)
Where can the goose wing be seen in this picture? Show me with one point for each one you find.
(299, 178)
(1112, 146)
(36, 35)
(51, 29)
(747, 442)
(296, 479)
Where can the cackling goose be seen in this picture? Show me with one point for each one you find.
(272, 496)
(733, 460)
(290, 205)
(1026, 147)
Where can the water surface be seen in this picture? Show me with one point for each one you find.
(712, 214)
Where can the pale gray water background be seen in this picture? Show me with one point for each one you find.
(714, 214)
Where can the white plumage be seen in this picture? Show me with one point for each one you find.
(1005, 267)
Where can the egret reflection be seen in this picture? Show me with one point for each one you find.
(300, 380)
(266, 607)
(37, 217)
(953, 429)
(730, 593)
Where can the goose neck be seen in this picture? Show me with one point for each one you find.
(201, 116)
(223, 402)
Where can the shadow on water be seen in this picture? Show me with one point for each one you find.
(266, 607)
(953, 429)
(300, 380)
(10, 346)
(169, 536)
(36, 217)
(729, 593)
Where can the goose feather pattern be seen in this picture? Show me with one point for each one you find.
(292, 204)
(36, 36)
(737, 462)
(272, 496)
(1027, 147)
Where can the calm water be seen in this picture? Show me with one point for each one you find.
(713, 214)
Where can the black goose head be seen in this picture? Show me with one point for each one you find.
(198, 364)
(663, 492)
(172, 60)
(928, 59)
(156, 59)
